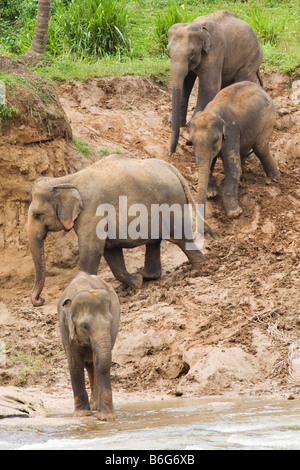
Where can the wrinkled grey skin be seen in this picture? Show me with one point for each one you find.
(89, 315)
(239, 119)
(219, 49)
(72, 201)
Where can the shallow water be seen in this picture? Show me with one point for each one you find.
(181, 424)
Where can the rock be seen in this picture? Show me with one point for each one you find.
(221, 367)
(144, 344)
(173, 368)
(15, 403)
(284, 122)
(4, 315)
(294, 360)
(295, 95)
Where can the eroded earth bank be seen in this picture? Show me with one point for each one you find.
(231, 329)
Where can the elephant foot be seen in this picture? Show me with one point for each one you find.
(151, 276)
(274, 175)
(93, 406)
(212, 192)
(101, 416)
(82, 413)
(196, 258)
(199, 265)
(134, 280)
(234, 213)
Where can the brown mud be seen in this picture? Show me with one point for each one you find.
(231, 329)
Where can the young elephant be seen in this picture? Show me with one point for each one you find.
(240, 118)
(89, 320)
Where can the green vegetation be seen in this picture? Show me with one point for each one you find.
(89, 38)
(88, 149)
(7, 111)
(84, 147)
(27, 363)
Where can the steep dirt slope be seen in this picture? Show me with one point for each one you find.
(228, 329)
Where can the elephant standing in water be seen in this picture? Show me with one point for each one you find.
(74, 201)
(89, 313)
(219, 49)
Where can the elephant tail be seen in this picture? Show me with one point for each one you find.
(190, 198)
(259, 79)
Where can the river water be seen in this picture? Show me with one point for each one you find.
(179, 424)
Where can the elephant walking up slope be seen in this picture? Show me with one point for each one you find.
(219, 49)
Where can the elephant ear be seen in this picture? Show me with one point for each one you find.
(67, 318)
(69, 204)
(207, 42)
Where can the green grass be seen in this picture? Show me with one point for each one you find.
(29, 365)
(37, 85)
(88, 149)
(84, 147)
(84, 69)
(93, 38)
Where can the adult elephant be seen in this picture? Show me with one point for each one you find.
(77, 200)
(220, 49)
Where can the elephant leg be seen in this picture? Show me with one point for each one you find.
(190, 249)
(152, 268)
(81, 399)
(90, 370)
(209, 85)
(246, 74)
(261, 149)
(115, 260)
(233, 172)
(105, 407)
(212, 189)
(90, 254)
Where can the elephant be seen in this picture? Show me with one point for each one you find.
(219, 49)
(89, 313)
(73, 200)
(239, 120)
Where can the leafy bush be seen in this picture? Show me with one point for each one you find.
(78, 27)
(91, 27)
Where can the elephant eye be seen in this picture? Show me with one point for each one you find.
(37, 216)
(192, 53)
(85, 326)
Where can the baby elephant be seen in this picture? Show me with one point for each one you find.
(89, 320)
(240, 118)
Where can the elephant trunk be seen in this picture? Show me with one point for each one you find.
(176, 110)
(38, 254)
(178, 74)
(102, 363)
(102, 349)
(204, 164)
